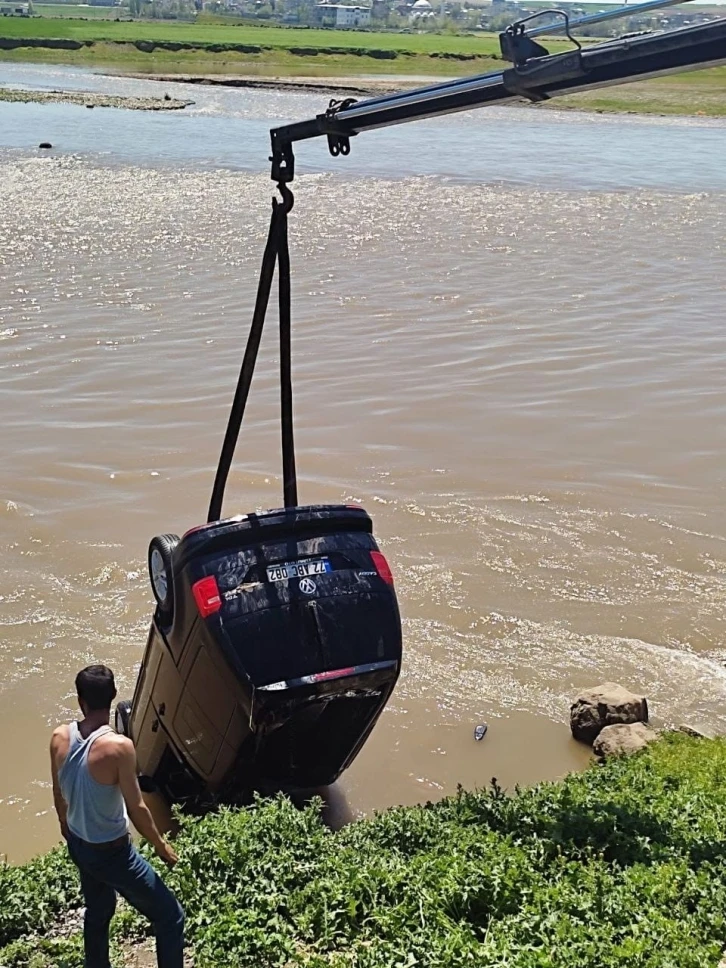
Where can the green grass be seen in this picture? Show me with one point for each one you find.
(208, 48)
(285, 37)
(269, 63)
(697, 92)
(622, 865)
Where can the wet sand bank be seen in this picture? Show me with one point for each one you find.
(364, 87)
(93, 100)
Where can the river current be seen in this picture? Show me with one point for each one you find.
(508, 346)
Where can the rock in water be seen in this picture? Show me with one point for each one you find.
(480, 731)
(45, 144)
(602, 706)
(622, 739)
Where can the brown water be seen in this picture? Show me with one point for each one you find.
(523, 386)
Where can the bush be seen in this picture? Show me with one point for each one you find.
(32, 896)
(623, 864)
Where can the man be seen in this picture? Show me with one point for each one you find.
(95, 790)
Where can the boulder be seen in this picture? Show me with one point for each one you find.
(602, 706)
(622, 739)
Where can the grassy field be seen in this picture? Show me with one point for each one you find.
(269, 63)
(270, 51)
(695, 93)
(624, 864)
(274, 37)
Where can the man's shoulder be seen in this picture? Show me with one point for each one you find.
(60, 735)
(115, 745)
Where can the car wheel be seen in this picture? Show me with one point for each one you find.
(123, 716)
(161, 574)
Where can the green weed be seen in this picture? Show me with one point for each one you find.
(622, 864)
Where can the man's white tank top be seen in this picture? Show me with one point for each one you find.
(96, 811)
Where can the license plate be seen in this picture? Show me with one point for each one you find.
(298, 569)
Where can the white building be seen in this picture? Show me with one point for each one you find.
(421, 9)
(345, 15)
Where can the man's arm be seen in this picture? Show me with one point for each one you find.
(139, 813)
(61, 807)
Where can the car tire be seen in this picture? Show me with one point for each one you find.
(161, 574)
(123, 717)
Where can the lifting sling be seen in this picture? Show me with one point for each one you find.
(276, 253)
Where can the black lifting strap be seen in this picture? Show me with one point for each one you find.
(276, 250)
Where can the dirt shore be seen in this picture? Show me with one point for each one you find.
(93, 100)
(661, 97)
(363, 87)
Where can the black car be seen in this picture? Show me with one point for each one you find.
(274, 647)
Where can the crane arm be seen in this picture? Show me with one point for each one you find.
(535, 75)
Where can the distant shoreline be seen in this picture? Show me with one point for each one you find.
(363, 87)
(92, 99)
(244, 55)
(633, 101)
(640, 98)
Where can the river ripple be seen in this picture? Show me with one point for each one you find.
(519, 373)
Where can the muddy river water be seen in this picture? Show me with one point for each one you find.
(509, 346)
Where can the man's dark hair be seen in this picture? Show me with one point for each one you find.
(95, 686)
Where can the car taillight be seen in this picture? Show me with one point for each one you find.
(333, 674)
(382, 567)
(206, 595)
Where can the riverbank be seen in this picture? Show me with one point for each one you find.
(363, 87)
(91, 99)
(190, 57)
(700, 94)
(360, 87)
(664, 97)
(284, 54)
(625, 862)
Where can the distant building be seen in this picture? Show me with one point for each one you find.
(15, 9)
(344, 15)
(421, 9)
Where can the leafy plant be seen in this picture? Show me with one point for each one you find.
(624, 863)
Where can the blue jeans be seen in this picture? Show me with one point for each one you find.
(107, 871)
